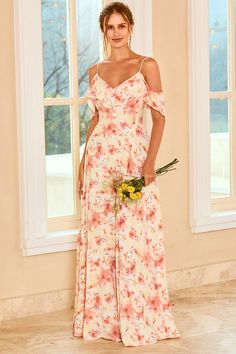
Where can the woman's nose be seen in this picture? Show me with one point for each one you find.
(116, 31)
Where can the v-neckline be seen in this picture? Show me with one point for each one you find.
(123, 82)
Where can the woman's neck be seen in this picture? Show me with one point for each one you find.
(120, 54)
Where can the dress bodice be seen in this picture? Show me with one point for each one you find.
(132, 95)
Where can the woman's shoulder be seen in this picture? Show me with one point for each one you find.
(149, 62)
(150, 65)
(151, 73)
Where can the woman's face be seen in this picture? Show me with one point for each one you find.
(117, 30)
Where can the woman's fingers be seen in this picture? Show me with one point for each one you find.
(80, 181)
(148, 179)
(79, 188)
(149, 173)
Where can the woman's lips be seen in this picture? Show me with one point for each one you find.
(117, 39)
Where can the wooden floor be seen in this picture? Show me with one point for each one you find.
(205, 317)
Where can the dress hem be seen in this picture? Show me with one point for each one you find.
(124, 342)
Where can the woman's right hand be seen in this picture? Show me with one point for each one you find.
(80, 181)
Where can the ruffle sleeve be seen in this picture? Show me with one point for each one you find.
(155, 100)
(89, 95)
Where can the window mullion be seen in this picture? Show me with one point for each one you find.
(64, 101)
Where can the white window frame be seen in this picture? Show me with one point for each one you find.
(202, 217)
(35, 239)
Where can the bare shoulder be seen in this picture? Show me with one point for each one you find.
(92, 70)
(151, 73)
(150, 65)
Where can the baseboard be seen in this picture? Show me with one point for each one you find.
(36, 304)
(201, 275)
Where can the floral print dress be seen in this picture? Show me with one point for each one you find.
(121, 284)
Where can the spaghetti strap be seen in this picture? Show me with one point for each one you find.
(142, 63)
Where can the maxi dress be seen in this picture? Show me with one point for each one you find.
(121, 284)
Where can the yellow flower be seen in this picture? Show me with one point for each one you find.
(120, 189)
(138, 195)
(124, 186)
(120, 194)
(132, 195)
(130, 189)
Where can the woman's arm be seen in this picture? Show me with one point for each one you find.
(92, 124)
(95, 118)
(151, 73)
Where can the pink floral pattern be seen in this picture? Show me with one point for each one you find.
(121, 285)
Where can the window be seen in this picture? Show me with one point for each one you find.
(212, 94)
(222, 102)
(70, 45)
(55, 43)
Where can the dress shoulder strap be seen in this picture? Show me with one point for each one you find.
(141, 65)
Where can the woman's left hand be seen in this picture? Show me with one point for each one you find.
(148, 171)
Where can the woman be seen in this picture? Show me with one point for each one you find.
(121, 288)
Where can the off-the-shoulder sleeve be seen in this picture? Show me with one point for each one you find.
(155, 100)
(89, 95)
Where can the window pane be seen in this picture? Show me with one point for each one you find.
(218, 42)
(59, 162)
(55, 48)
(220, 148)
(88, 39)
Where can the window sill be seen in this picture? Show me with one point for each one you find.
(59, 241)
(216, 221)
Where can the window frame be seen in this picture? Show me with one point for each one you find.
(35, 239)
(202, 216)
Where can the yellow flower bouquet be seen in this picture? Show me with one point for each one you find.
(130, 190)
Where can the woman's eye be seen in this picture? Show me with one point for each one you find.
(120, 26)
